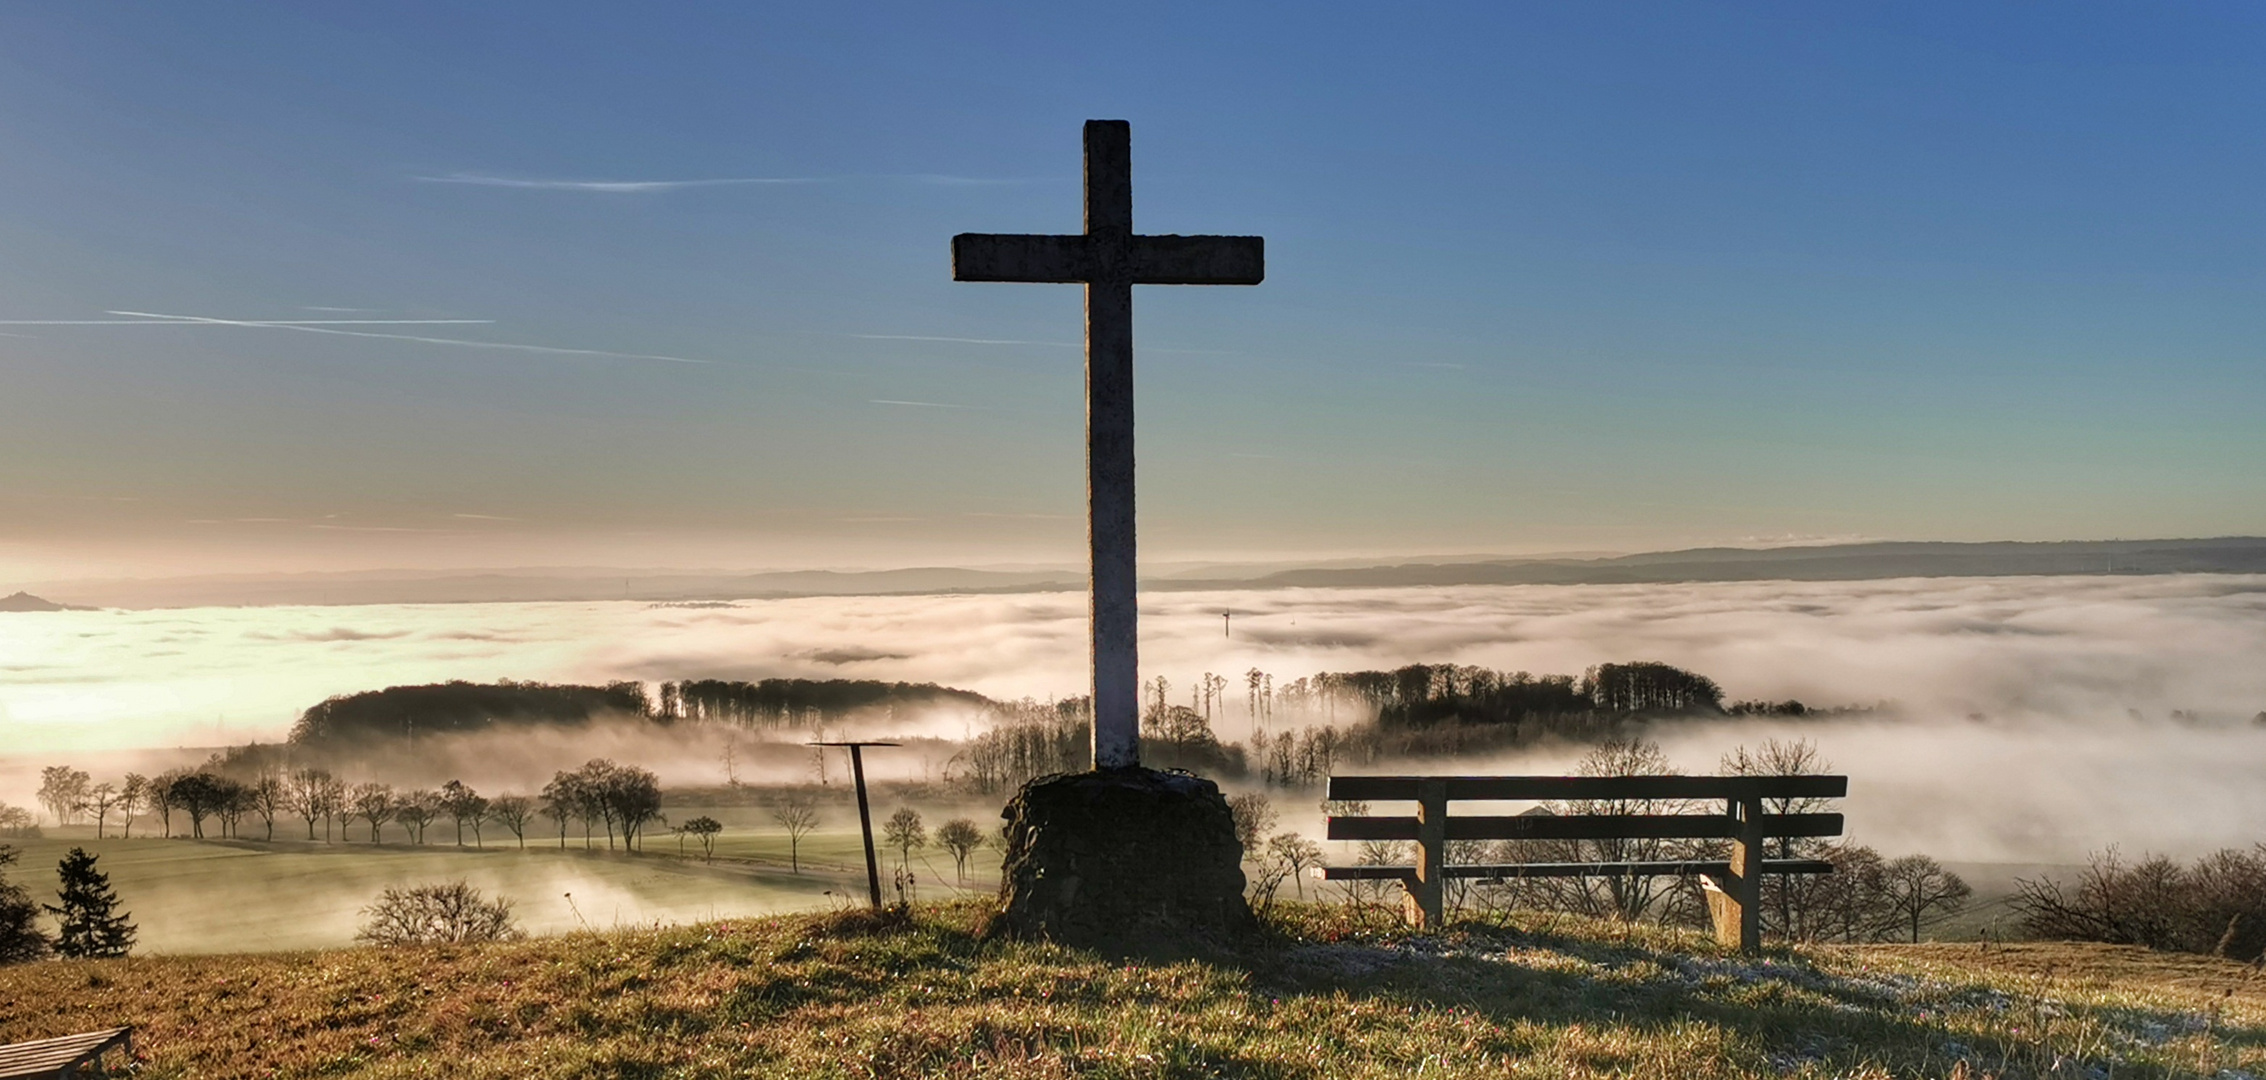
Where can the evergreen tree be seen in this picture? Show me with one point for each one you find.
(92, 925)
(20, 936)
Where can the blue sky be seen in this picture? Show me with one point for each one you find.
(1540, 278)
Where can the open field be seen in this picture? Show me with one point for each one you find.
(213, 896)
(853, 994)
(254, 896)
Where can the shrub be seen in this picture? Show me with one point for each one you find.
(2218, 905)
(454, 913)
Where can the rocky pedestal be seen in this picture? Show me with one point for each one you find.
(1122, 858)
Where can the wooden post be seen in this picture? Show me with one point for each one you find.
(1734, 905)
(865, 815)
(865, 826)
(1113, 605)
(1427, 895)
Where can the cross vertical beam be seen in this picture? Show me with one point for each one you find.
(1112, 606)
(1109, 259)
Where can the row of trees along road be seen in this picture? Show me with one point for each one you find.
(619, 801)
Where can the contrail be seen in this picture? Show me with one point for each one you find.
(182, 320)
(966, 341)
(608, 186)
(632, 187)
(310, 328)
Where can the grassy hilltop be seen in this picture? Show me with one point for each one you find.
(855, 994)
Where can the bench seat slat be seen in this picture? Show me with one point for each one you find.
(1539, 788)
(1586, 826)
(1669, 868)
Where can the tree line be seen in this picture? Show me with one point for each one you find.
(619, 801)
(400, 715)
(803, 702)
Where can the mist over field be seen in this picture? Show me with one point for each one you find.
(2028, 718)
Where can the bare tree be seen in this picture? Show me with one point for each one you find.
(703, 828)
(198, 793)
(905, 832)
(100, 799)
(797, 814)
(372, 802)
(232, 800)
(304, 794)
(512, 812)
(1254, 818)
(133, 795)
(463, 804)
(61, 790)
(961, 837)
(159, 794)
(330, 798)
(562, 802)
(1920, 891)
(268, 797)
(1298, 853)
(415, 811)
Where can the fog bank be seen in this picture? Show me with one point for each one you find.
(2031, 716)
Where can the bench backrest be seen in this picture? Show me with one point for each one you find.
(1591, 788)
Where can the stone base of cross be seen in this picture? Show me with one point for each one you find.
(1100, 854)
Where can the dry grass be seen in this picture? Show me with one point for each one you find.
(1325, 995)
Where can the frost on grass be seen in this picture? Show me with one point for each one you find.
(921, 992)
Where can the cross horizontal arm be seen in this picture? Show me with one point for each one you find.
(1021, 257)
(1199, 260)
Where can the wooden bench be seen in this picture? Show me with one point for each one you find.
(1734, 885)
(64, 1058)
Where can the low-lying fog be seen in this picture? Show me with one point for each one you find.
(2033, 718)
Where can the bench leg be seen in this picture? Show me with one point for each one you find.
(1734, 903)
(1722, 908)
(1425, 906)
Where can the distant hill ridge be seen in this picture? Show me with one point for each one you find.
(24, 601)
(1828, 562)
(1838, 562)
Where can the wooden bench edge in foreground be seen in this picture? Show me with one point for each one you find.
(66, 1057)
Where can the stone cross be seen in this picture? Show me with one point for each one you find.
(1108, 259)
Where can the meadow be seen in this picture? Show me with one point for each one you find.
(233, 896)
(1323, 993)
